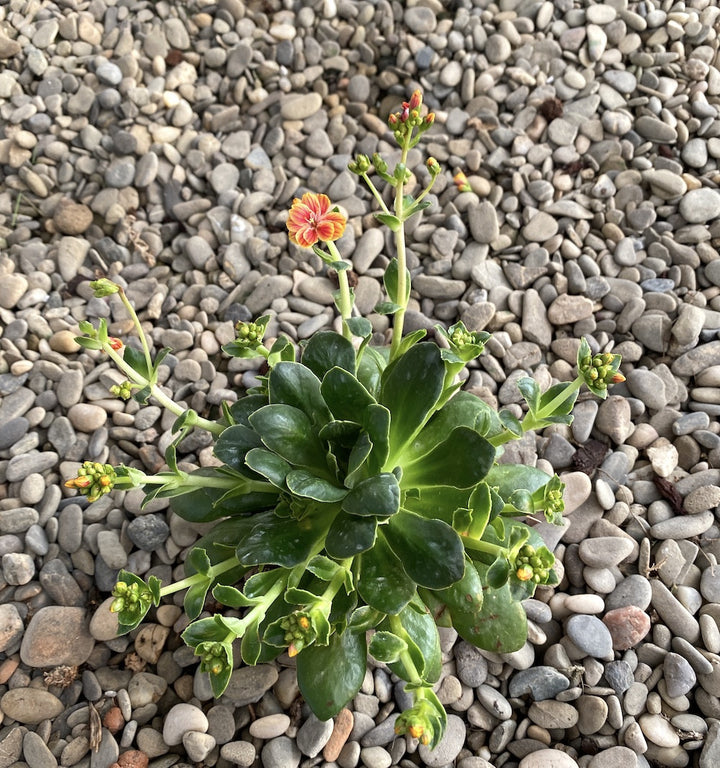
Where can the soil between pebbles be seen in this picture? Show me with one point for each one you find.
(161, 144)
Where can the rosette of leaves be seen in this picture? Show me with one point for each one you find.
(376, 504)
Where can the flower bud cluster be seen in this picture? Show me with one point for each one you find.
(123, 391)
(408, 118)
(420, 721)
(130, 597)
(213, 657)
(299, 632)
(601, 370)
(530, 567)
(93, 480)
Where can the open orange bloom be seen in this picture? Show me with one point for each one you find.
(311, 219)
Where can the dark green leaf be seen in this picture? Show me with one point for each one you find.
(343, 432)
(259, 584)
(461, 460)
(423, 641)
(411, 339)
(280, 542)
(154, 585)
(221, 540)
(241, 409)
(566, 407)
(303, 483)
(296, 385)
(391, 280)
(376, 420)
(386, 308)
(330, 676)
(136, 360)
(234, 443)
(345, 395)
(365, 618)
(370, 368)
(288, 432)
(378, 495)
(159, 358)
(350, 535)
(142, 395)
(388, 220)
(357, 468)
(498, 573)
(383, 583)
(199, 561)
(206, 630)
(250, 646)
(269, 465)
(386, 647)
(437, 501)
(509, 477)
(430, 551)
(326, 350)
(511, 422)
(231, 597)
(359, 326)
(323, 567)
(530, 390)
(410, 389)
(195, 599)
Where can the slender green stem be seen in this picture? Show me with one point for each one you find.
(197, 578)
(345, 295)
(402, 287)
(138, 328)
(478, 545)
(552, 406)
(376, 194)
(337, 581)
(157, 393)
(413, 676)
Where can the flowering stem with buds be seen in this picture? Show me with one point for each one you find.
(138, 327)
(345, 302)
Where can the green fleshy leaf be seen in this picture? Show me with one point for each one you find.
(388, 220)
(410, 389)
(530, 390)
(498, 573)
(269, 465)
(199, 561)
(365, 618)
(565, 408)
(437, 501)
(251, 646)
(461, 460)
(323, 567)
(234, 443)
(378, 495)
(391, 279)
(386, 308)
(386, 647)
(195, 599)
(359, 326)
(509, 477)
(430, 551)
(296, 385)
(280, 542)
(206, 630)
(342, 432)
(259, 584)
(135, 358)
(376, 420)
(370, 368)
(231, 596)
(383, 583)
(411, 339)
(87, 343)
(241, 409)
(303, 483)
(423, 642)
(330, 676)
(511, 422)
(350, 535)
(326, 350)
(288, 432)
(345, 395)
(142, 395)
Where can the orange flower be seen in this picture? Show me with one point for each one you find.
(115, 343)
(311, 219)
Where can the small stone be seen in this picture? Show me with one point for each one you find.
(483, 222)
(420, 20)
(198, 745)
(547, 758)
(614, 419)
(57, 635)
(540, 228)
(248, 684)
(590, 635)
(605, 551)
(240, 753)
(540, 682)
(12, 289)
(658, 730)
(679, 676)
(700, 205)
(301, 106)
(87, 417)
(72, 218)
(627, 625)
(270, 726)
(30, 706)
(280, 753)
(448, 748)
(313, 735)
(11, 626)
(341, 731)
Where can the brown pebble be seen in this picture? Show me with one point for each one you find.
(113, 719)
(133, 759)
(72, 218)
(7, 668)
(341, 730)
(628, 626)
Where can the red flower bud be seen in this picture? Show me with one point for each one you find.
(416, 99)
(115, 343)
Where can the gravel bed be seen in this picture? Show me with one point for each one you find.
(161, 144)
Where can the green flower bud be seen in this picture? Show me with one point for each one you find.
(104, 287)
(360, 166)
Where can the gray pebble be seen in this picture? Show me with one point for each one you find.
(590, 635)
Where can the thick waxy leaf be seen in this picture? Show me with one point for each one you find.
(437, 502)
(463, 410)
(423, 641)
(386, 647)
(511, 422)
(359, 326)
(231, 597)
(390, 279)
(376, 421)
(295, 384)
(288, 432)
(303, 483)
(430, 551)
(329, 676)
(343, 432)
(378, 495)
(234, 443)
(365, 618)
(383, 583)
(370, 368)
(136, 360)
(259, 584)
(204, 631)
(509, 477)
(566, 406)
(323, 567)
(251, 646)
(199, 561)
(410, 389)
(345, 395)
(462, 461)
(386, 308)
(195, 599)
(242, 408)
(356, 468)
(326, 350)
(280, 542)
(350, 535)
(269, 465)
(220, 543)
(530, 390)
(465, 596)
